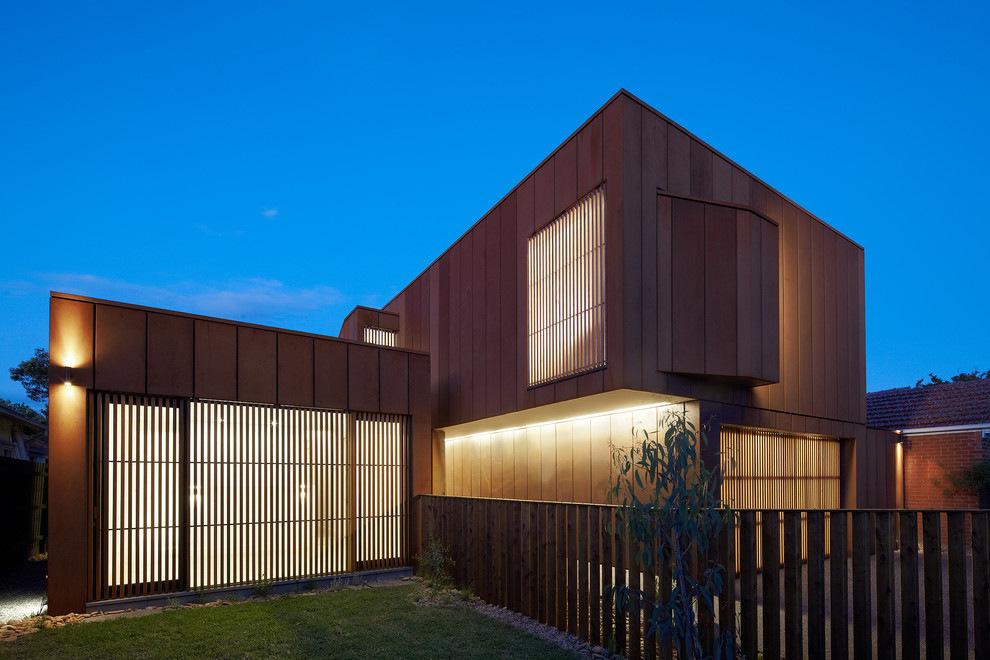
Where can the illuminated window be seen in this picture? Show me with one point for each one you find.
(566, 279)
(379, 336)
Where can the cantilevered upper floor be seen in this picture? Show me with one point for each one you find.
(636, 257)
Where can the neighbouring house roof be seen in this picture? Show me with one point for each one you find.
(25, 437)
(931, 406)
(13, 415)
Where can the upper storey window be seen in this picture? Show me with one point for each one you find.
(379, 336)
(566, 281)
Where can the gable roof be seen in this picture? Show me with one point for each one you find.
(949, 404)
(13, 415)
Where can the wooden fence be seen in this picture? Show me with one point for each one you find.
(903, 588)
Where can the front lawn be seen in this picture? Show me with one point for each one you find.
(381, 622)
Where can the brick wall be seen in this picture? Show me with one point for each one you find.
(928, 457)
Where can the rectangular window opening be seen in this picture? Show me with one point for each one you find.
(566, 289)
(380, 336)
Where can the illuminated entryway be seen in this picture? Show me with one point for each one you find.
(208, 494)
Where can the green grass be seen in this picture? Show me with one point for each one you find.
(378, 623)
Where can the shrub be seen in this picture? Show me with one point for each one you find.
(435, 562)
(669, 507)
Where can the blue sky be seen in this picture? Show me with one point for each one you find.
(240, 159)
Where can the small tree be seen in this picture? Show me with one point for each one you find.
(669, 507)
(33, 375)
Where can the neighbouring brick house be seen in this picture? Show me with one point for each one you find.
(944, 427)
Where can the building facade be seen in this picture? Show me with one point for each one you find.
(635, 271)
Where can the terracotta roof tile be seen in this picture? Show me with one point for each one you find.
(950, 404)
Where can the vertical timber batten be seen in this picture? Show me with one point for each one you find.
(210, 494)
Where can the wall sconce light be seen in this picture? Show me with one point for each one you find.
(68, 376)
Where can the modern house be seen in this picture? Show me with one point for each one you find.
(635, 270)
(943, 428)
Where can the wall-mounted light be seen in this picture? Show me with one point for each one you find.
(67, 379)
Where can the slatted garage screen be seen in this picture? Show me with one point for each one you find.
(136, 485)
(208, 494)
(767, 469)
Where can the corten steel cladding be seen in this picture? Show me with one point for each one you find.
(716, 287)
(177, 481)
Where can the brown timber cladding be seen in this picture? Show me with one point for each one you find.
(469, 307)
(556, 563)
(249, 493)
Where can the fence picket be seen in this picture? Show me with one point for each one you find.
(981, 584)
(958, 618)
(839, 584)
(910, 621)
(559, 562)
(608, 576)
(886, 644)
(862, 616)
(816, 584)
(727, 598)
(748, 585)
(619, 561)
(793, 647)
(770, 532)
(595, 574)
(572, 568)
(931, 531)
(583, 540)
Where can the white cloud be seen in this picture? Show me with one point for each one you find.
(254, 298)
(270, 213)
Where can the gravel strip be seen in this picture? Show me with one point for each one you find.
(541, 630)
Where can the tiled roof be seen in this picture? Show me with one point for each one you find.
(950, 404)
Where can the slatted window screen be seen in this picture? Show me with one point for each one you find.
(380, 336)
(566, 283)
(779, 470)
(137, 487)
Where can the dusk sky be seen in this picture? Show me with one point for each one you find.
(279, 163)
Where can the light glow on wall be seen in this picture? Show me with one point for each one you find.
(566, 287)
(556, 460)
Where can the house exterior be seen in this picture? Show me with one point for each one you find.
(635, 271)
(942, 428)
(22, 437)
